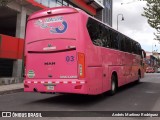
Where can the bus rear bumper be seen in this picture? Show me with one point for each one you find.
(56, 86)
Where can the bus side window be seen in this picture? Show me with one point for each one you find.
(107, 36)
(104, 35)
(109, 39)
(119, 41)
(122, 42)
(139, 50)
(112, 38)
(128, 45)
(115, 40)
(93, 30)
(101, 35)
(131, 46)
(134, 47)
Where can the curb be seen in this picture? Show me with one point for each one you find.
(11, 91)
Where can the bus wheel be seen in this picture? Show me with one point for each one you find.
(113, 85)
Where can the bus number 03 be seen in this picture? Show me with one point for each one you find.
(70, 58)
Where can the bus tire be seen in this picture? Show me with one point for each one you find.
(113, 85)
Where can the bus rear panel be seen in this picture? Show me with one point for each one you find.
(54, 61)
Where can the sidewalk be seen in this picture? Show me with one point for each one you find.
(12, 88)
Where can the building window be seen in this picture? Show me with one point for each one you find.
(70, 5)
(65, 3)
(59, 3)
(100, 1)
(45, 3)
(55, 3)
(52, 3)
(39, 1)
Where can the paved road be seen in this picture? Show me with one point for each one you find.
(144, 96)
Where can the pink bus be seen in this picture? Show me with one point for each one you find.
(68, 51)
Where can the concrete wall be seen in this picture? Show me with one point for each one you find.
(22, 13)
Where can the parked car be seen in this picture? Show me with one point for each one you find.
(158, 70)
(150, 70)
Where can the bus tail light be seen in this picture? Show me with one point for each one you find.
(26, 86)
(81, 65)
(78, 87)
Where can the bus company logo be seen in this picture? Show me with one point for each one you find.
(41, 24)
(60, 29)
(58, 24)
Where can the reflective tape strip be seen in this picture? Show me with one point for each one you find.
(29, 81)
(42, 82)
(57, 82)
(65, 82)
(82, 82)
(35, 82)
(49, 82)
(74, 82)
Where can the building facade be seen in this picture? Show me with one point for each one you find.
(103, 7)
(13, 18)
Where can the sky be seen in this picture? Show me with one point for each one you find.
(134, 25)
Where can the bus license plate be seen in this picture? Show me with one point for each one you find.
(50, 87)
